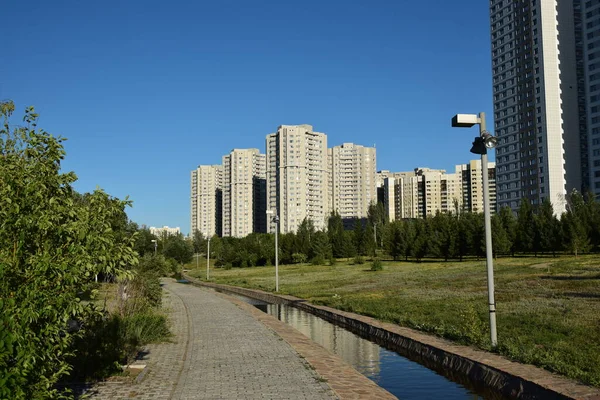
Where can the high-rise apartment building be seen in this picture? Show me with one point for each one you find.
(297, 176)
(471, 177)
(352, 180)
(244, 192)
(587, 15)
(423, 192)
(420, 193)
(206, 198)
(539, 102)
(400, 194)
(164, 231)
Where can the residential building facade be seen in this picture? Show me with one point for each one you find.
(164, 231)
(244, 192)
(206, 200)
(423, 192)
(352, 171)
(539, 100)
(471, 179)
(587, 15)
(297, 176)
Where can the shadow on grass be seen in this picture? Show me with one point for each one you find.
(583, 295)
(570, 277)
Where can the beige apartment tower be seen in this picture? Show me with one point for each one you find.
(424, 192)
(352, 180)
(472, 185)
(297, 176)
(244, 192)
(206, 198)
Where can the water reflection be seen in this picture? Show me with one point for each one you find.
(361, 353)
(404, 378)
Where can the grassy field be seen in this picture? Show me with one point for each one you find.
(548, 309)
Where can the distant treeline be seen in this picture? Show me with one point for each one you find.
(536, 230)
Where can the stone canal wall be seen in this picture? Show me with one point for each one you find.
(460, 363)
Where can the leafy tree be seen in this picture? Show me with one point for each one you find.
(500, 242)
(198, 242)
(287, 248)
(377, 219)
(348, 244)
(305, 232)
(547, 228)
(320, 248)
(178, 248)
(466, 233)
(574, 225)
(143, 241)
(393, 240)
(478, 238)
(509, 224)
(335, 230)
(421, 243)
(358, 237)
(525, 229)
(217, 250)
(51, 246)
(369, 241)
(444, 235)
(409, 233)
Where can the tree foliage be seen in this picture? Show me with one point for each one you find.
(178, 248)
(575, 228)
(52, 243)
(525, 230)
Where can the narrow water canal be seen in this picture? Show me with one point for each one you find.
(400, 376)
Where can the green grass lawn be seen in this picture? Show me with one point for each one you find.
(548, 309)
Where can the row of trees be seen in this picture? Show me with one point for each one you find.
(535, 230)
(447, 236)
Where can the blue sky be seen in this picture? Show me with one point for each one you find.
(147, 90)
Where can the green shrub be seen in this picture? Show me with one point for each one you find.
(377, 265)
(358, 260)
(108, 341)
(99, 351)
(318, 260)
(298, 258)
(143, 328)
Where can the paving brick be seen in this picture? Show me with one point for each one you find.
(219, 351)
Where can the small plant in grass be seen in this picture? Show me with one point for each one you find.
(377, 265)
(318, 260)
(336, 300)
(473, 326)
(358, 260)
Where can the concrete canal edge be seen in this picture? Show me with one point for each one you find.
(482, 368)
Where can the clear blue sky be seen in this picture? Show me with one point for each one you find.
(147, 90)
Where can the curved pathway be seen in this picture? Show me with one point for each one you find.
(219, 351)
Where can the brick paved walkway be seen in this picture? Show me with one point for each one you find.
(219, 352)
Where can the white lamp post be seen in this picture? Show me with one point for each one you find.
(276, 220)
(483, 142)
(208, 260)
(155, 245)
